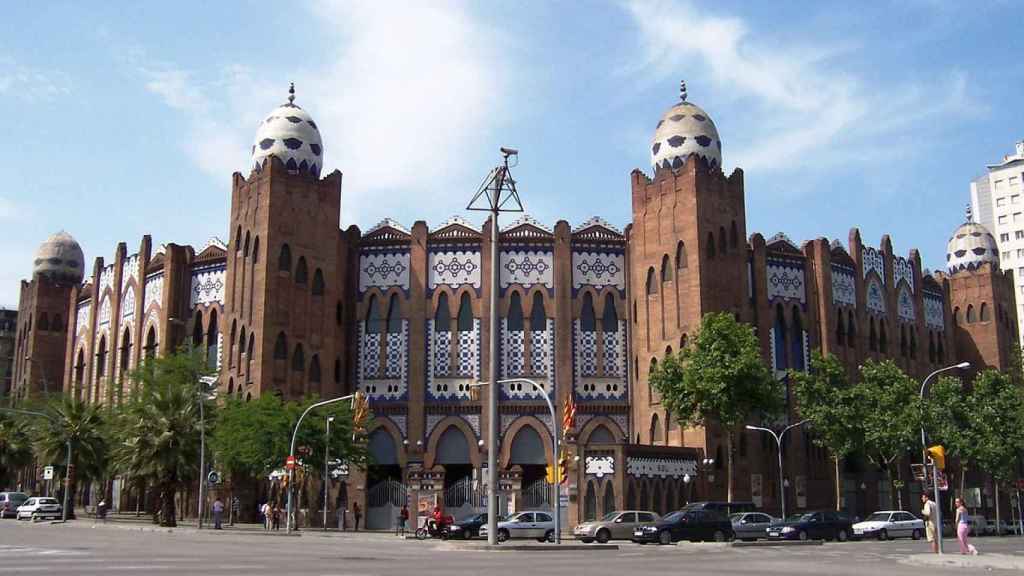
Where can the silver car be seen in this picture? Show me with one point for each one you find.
(537, 524)
(616, 525)
(750, 525)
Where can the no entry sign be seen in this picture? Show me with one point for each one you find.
(290, 463)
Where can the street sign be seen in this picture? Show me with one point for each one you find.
(290, 463)
(213, 477)
(48, 473)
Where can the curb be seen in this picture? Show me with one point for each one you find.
(776, 543)
(956, 560)
(535, 548)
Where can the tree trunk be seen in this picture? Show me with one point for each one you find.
(728, 460)
(995, 481)
(838, 493)
(167, 507)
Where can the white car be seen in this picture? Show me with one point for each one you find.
(537, 524)
(38, 508)
(889, 524)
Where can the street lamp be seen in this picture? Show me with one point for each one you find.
(492, 473)
(778, 441)
(497, 194)
(67, 464)
(327, 449)
(205, 391)
(924, 454)
(291, 453)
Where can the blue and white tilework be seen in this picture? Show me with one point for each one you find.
(610, 383)
(526, 268)
(469, 351)
(902, 270)
(904, 304)
(383, 270)
(873, 260)
(106, 278)
(542, 365)
(599, 270)
(440, 352)
(154, 291)
(395, 363)
(369, 354)
(844, 288)
(442, 382)
(934, 312)
(875, 297)
(391, 382)
(587, 355)
(104, 311)
(542, 349)
(473, 420)
(130, 270)
(128, 303)
(453, 268)
(400, 421)
(208, 285)
(508, 419)
(82, 316)
(785, 281)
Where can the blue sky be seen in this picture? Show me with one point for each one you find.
(128, 118)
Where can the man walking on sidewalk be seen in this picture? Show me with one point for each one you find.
(218, 513)
(928, 511)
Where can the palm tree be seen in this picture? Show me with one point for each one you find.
(15, 447)
(159, 429)
(81, 424)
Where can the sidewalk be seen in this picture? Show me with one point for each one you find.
(145, 524)
(957, 560)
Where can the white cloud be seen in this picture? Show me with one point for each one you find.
(406, 99)
(798, 105)
(32, 84)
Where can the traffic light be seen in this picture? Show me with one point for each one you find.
(360, 412)
(549, 474)
(938, 455)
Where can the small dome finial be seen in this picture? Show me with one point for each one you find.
(682, 90)
(970, 213)
(291, 93)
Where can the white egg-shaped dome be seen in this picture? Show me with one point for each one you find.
(971, 246)
(683, 130)
(59, 259)
(289, 134)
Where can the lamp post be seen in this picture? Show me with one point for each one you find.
(554, 456)
(67, 463)
(203, 392)
(327, 450)
(924, 453)
(778, 441)
(291, 453)
(497, 194)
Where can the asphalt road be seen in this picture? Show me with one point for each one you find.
(82, 549)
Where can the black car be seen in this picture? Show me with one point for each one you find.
(468, 527)
(692, 525)
(821, 525)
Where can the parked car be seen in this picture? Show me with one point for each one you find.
(618, 525)
(9, 502)
(468, 527)
(821, 525)
(726, 508)
(1007, 527)
(750, 525)
(38, 508)
(528, 524)
(889, 524)
(692, 525)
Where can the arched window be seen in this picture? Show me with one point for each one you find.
(781, 357)
(442, 316)
(281, 347)
(913, 343)
(241, 345)
(318, 283)
(956, 316)
(57, 325)
(374, 320)
(590, 502)
(284, 261)
(588, 323)
(250, 354)
(197, 330)
(840, 330)
(873, 338)
(538, 316)
(931, 346)
(652, 286)
(465, 321)
(710, 248)
(681, 255)
(298, 359)
(79, 370)
(514, 319)
(212, 332)
(797, 344)
(940, 352)
(238, 239)
(126, 352)
(609, 499)
(151, 342)
(101, 358)
(231, 343)
(314, 369)
(44, 322)
(610, 318)
(655, 429)
(970, 313)
(666, 269)
(851, 329)
(883, 340)
(984, 312)
(723, 246)
(256, 250)
(394, 316)
(733, 235)
(245, 249)
(301, 272)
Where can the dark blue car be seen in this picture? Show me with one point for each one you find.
(820, 525)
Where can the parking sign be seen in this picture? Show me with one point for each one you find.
(48, 473)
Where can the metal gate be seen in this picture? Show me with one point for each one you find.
(383, 503)
(463, 499)
(537, 495)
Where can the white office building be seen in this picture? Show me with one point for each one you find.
(997, 202)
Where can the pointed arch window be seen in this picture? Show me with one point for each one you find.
(655, 429)
(681, 255)
(610, 318)
(781, 357)
(538, 316)
(514, 319)
(256, 250)
(245, 249)
(652, 285)
(970, 313)
(57, 325)
(314, 369)
(280, 347)
(151, 342)
(588, 323)
(126, 352)
(238, 239)
(797, 344)
(873, 337)
(733, 235)
(840, 330)
(301, 272)
(442, 316)
(913, 344)
(231, 343)
(883, 340)
(710, 248)
(298, 359)
(212, 333)
(197, 330)
(931, 346)
(241, 345)
(666, 269)
(101, 358)
(723, 246)
(250, 354)
(851, 329)
(465, 321)
(44, 322)
(318, 282)
(284, 259)
(374, 320)
(394, 316)
(983, 316)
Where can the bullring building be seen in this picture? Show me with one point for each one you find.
(293, 304)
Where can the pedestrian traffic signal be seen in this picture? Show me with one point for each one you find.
(360, 412)
(938, 455)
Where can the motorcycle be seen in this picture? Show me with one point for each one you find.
(433, 530)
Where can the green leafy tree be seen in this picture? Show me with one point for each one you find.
(890, 405)
(825, 396)
(160, 426)
(84, 425)
(15, 447)
(719, 377)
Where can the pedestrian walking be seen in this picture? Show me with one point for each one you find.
(277, 517)
(236, 508)
(403, 517)
(101, 510)
(930, 513)
(963, 526)
(265, 512)
(358, 513)
(218, 513)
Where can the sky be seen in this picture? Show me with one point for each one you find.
(125, 119)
